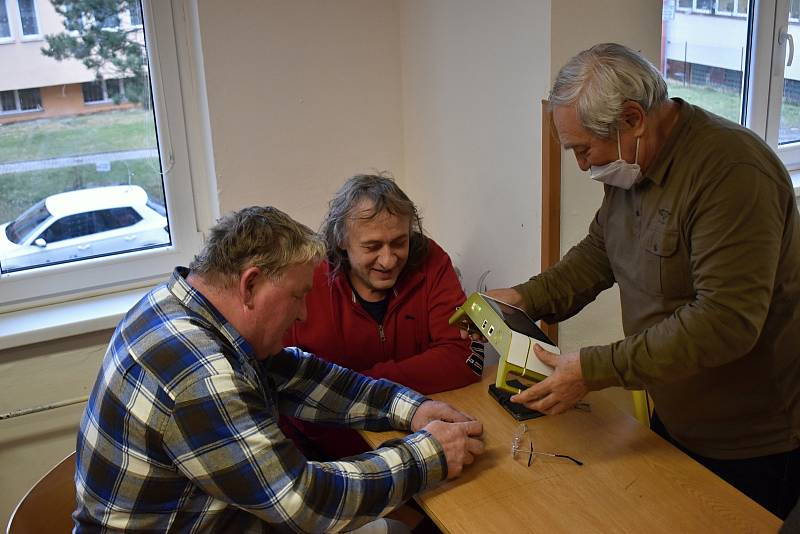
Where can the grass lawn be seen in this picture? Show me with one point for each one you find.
(107, 131)
(714, 100)
(728, 105)
(18, 191)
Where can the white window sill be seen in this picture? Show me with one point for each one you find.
(65, 319)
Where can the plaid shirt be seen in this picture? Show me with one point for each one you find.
(180, 433)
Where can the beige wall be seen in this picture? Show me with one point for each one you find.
(600, 322)
(473, 75)
(302, 95)
(33, 376)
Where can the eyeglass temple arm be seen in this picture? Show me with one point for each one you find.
(568, 457)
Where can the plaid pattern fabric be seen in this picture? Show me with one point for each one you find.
(180, 433)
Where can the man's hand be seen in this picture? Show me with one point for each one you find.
(561, 390)
(459, 441)
(507, 295)
(431, 410)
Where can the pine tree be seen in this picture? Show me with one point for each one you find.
(94, 35)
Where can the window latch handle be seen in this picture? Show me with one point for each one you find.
(783, 37)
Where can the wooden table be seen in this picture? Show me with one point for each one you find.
(631, 480)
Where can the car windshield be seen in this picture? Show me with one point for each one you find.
(158, 208)
(23, 225)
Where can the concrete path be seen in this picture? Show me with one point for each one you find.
(86, 159)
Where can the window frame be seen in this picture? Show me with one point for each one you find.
(766, 78)
(11, 37)
(708, 11)
(18, 109)
(104, 89)
(30, 36)
(183, 128)
(791, 18)
(131, 23)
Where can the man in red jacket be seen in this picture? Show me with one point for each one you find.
(380, 304)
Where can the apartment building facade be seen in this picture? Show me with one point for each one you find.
(34, 86)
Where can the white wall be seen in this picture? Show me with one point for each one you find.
(36, 375)
(634, 23)
(302, 95)
(473, 75)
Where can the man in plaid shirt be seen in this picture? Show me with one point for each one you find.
(181, 435)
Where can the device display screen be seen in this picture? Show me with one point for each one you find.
(517, 319)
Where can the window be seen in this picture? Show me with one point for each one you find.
(135, 14)
(141, 212)
(102, 91)
(740, 68)
(29, 99)
(110, 22)
(29, 18)
(114, 89)
(725, 7)
(5, 24)
(703, 5)
(19, 100)
(93, 92)
(742, 6)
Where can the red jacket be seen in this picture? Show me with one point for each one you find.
(414, 346)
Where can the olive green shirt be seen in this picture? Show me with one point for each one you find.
(706, 252)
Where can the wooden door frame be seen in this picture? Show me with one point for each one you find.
(551, 201)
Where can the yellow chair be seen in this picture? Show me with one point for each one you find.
(48, 505)
(642, 407)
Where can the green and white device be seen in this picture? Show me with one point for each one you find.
(511, 332)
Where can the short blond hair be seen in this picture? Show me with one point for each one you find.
(263, 237)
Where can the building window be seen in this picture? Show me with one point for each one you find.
(703, 5)
(128, 168)
(110, 22)
(93, 92)
(742, 6)
(103, 91)
(28, 18)
(717, 7)
(20, 100)
(5, 24)
(135, 14)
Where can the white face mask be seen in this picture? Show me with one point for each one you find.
(618, 173)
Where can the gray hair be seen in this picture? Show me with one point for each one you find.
(262, 237)
(598, 81)
(384, 195)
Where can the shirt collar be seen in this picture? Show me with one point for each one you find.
(194, 301)
(662, 162)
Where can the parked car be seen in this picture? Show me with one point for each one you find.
(82, 224)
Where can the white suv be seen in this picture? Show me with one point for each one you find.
(82, 224)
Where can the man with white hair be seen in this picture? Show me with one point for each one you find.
(181, 430)
(699, 228)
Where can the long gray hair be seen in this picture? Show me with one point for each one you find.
(598, 81)
(384, 195)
